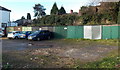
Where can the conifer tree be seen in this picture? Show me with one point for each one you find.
(54, 10)
(62, 11)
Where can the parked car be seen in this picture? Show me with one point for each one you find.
(1, 33)
(40, 35)
(25, 34)
(13, 34)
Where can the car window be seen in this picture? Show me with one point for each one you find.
(23, 32)
(46, 31)
(17, 32)
(42, 32)
(29, 32)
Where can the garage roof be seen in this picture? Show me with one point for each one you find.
(5, 9)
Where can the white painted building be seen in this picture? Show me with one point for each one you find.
(4, 17)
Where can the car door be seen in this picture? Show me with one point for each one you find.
(42, 35)
(17, 34)
(28, 33)
(46, 34)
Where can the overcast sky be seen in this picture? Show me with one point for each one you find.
(20, 8)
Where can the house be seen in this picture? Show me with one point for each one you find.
(4, 17)
(12, 24)
(75, 13)
(23, 22)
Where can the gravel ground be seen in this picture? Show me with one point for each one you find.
(54, 53)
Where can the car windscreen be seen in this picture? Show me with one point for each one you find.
(23, 32)
(36, 32)
(29, 32)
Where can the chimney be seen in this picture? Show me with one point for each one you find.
(79, 12)
(71, 11)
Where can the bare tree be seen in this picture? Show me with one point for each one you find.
(93, 2)
(110, 0)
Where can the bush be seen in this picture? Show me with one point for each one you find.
(66, 19)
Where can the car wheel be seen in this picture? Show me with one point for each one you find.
(38, 39)
(10, 38)
(16, 37)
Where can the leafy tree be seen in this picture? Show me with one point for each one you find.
(62, 11)
(51, 19)
(57, 20)
(39, 10)
(54, 10)
(118, 18)
(28, 16)
(22, 17)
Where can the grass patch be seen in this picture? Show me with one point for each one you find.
(112, 60)
(113, 42)
(109, 62)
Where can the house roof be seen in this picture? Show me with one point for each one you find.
(5, 9)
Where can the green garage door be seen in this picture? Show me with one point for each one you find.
(79, 32)
(75, 32)
(110, 32)
(106, 32)
(71, 32)
(119, 32)
(114, 32)
(60, 32)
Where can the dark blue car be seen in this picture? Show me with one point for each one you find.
(40, 35)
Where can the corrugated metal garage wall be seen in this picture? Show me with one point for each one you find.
(88, 32)
(26, 28)
(18, 28)
(60, 32)
(114, 30)
(50, 29)
(79, 32)
(96, 32)
(35, 28)
(10, 29)
(92, 32)
(118, 32)
(44, 28)
(75, 32)
(71, 32)
(110, 32)
(106, 32)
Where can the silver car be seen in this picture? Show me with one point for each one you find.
(1, 33)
